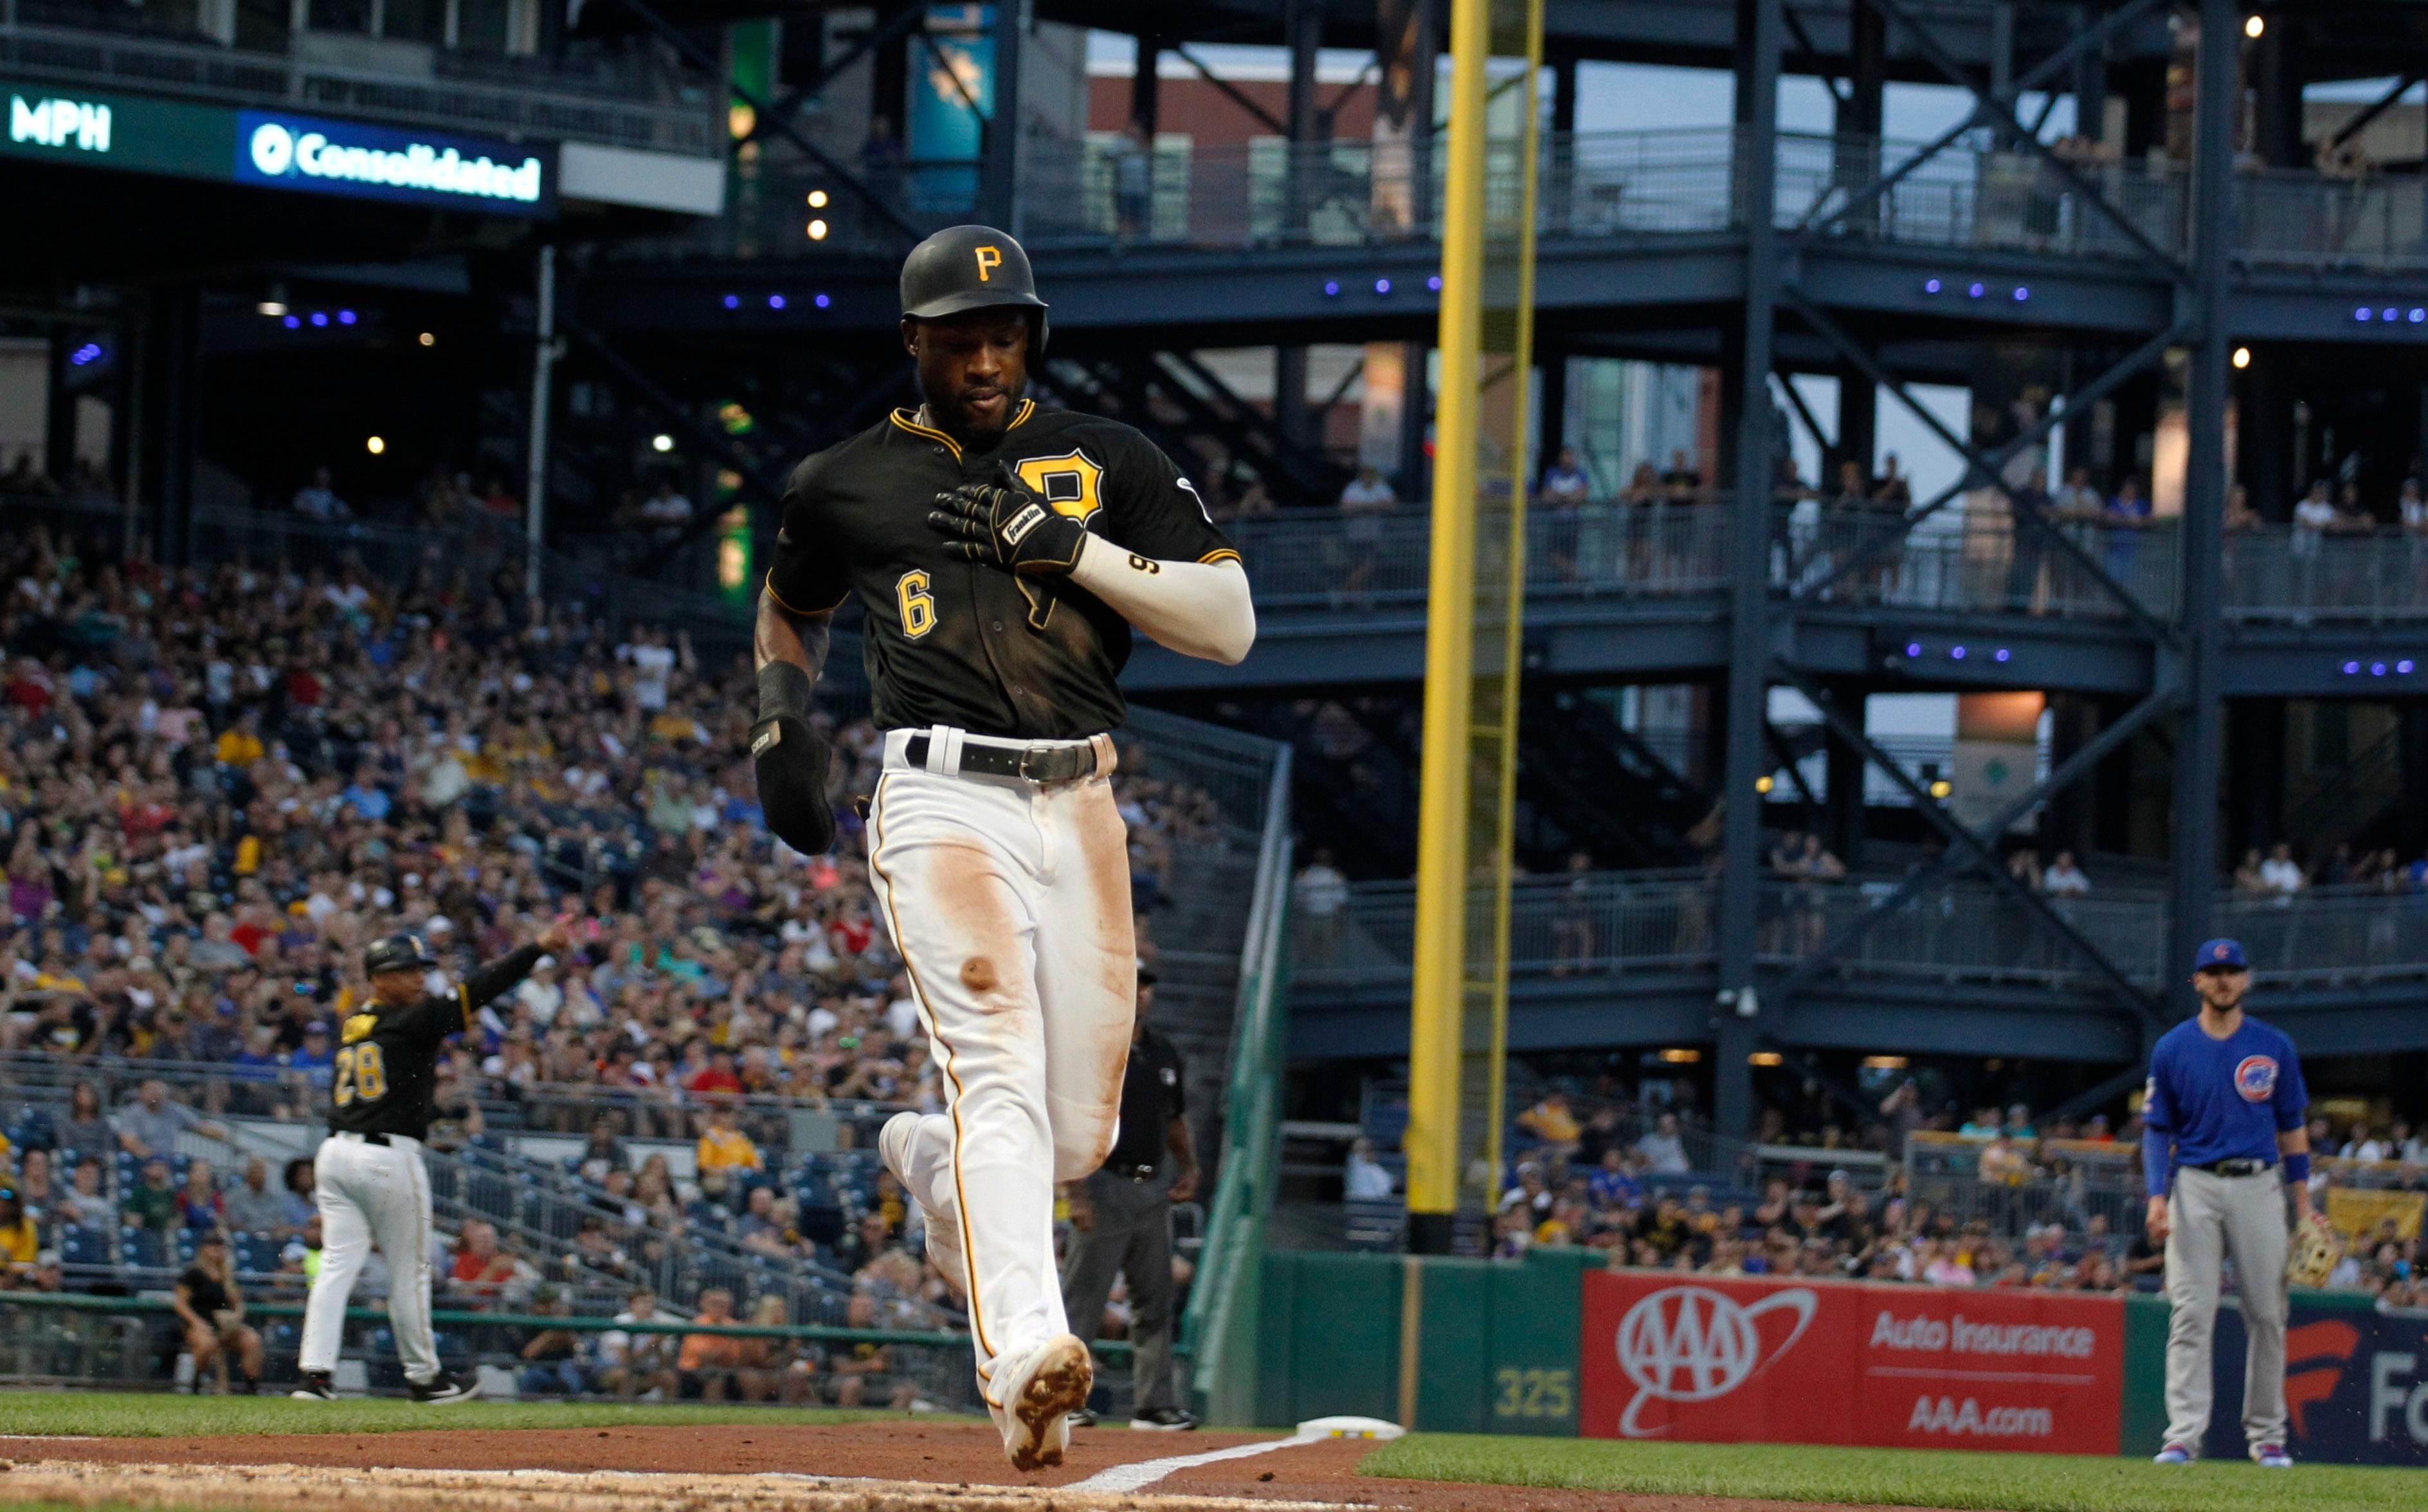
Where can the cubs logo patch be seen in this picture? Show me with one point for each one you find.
(2255, 1077)
(1070, 482)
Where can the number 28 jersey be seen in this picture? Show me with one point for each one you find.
(965, 644)
(388, 1054)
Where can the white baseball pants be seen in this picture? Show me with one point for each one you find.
(1011, 903)
(371, 1195)
(2209, 1217)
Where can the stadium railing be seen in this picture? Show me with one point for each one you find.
(1609, 924)
(1323, 559)
(2275, 573)
(135, 1340)
(1347, 191)
(1218, 1325)
(630, 101)
(2087, 1178)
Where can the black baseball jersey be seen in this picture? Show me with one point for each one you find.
(388, 1055)
(965, 644)
(1154, 1092)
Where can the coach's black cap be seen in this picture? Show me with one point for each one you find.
(397, 952)
(970, 267)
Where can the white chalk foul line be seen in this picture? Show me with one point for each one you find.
(1146, 1473)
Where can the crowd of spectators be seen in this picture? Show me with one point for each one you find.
(217, 785)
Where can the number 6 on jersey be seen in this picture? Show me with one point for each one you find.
(918, 605)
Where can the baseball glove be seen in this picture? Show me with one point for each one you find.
(1005, 524)
(2315, 1249)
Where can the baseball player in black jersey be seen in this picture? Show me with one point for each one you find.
(368, 1177)
(1004, 553)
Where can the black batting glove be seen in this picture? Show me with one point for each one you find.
(1004, 524)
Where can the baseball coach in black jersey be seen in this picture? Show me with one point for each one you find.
(369, 1178)
(1004, 553)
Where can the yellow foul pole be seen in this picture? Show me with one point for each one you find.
(1471, 635)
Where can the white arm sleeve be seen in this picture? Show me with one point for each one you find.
(1198, 608)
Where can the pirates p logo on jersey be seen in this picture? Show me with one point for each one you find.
(1069, 482)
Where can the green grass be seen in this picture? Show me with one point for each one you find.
(138, 1415)
(1898, 1477)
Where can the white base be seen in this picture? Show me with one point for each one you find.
(1350, 1427)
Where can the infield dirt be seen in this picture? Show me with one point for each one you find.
(863, 1467)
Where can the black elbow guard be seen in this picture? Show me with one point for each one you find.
(791, 760)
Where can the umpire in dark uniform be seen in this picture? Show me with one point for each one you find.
(1121, 1220)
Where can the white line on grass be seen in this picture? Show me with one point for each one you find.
(1121, 1478)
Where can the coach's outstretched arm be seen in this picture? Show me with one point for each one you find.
(496, 977)
(790, 648)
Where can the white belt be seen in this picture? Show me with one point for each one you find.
(948, 751)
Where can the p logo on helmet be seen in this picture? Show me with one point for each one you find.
(990, 258)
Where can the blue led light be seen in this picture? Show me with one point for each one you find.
(1382, 286)
(2390, 315)
(733, 301)
(1974, 292)
(2377, 669)
(88, 352)
(1331, 285)
(319, 318)
(1433, 283)
(1956, 653)
(1931, 285)
(1913, 648)
(2351, 667)
(2022, 294)
(2364, 313)
(823, 302)
(293, 323)
(345, 318)
(2003, 654)
(774, 302)
(2404, 666)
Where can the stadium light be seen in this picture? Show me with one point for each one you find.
(661, 442)
(2256, 27)
(1764, 783)
(817, 231)
(740, 120)
(429, 339)
(817, 198)
(1941, 788)
(1681, 1056)
(1884, 1063)
(2241, 356)
(1765, 1058)
(272, 308)
(375, 445)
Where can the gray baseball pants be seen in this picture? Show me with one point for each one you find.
(2212, 1216)
(1132, 1237)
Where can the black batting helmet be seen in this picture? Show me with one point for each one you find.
(398, 952)
(970, 267)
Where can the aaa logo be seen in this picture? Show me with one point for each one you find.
(1689, 1343)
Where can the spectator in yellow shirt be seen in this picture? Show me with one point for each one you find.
(19, 1239)
(724, 1148)
(239, 744)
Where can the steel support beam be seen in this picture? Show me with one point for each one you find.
(1736, 1015)
(2200, 737)
(1983, 855)
(2064, 774)
(699, 57)
(892, 26)
(999, 149)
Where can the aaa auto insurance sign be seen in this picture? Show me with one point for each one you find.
(1833, 1362)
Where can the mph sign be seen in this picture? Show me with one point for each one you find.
(1805, 1361)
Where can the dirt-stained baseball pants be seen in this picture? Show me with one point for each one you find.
(1011, 903)
(2210, 1217)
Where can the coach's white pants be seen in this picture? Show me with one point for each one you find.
(2210, 1217)
(371, 1195)
(1011, 908)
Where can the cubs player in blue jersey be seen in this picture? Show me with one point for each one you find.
(2224, 1139)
